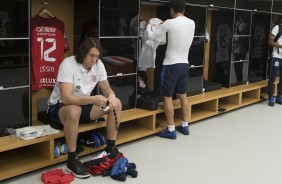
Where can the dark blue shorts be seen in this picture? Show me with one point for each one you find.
(174, 79)
(53, 114)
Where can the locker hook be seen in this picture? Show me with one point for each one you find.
(44, 2)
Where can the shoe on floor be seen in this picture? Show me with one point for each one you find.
(271, 101)
(167, 134)
(101, 138)
(279, 100)
(77, 169)
(113, 153)
(183, 130)
(102, 154)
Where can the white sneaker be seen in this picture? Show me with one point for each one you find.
(102, 154)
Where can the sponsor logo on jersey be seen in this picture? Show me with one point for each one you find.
(47, 81)
(94, 78)
(45, 29)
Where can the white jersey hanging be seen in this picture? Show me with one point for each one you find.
(148, 53)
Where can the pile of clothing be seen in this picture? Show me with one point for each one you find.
(56, 176)
(114, 165)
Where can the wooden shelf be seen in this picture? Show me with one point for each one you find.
(199, 114)
(11, 142)
(249, 97)
(229, 102)
(134, 124)
(203, 110)
(21, 160)
(131, 132)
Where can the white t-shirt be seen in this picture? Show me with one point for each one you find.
(148, 52)
(279, 41)
(142, 29)
(180, 36)
(83, 81)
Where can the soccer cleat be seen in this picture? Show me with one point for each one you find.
(56, 151)
(89, 143)
(271, 101)
(101, 138)
(279, 100)
(113, 153)
(63, 149)
(94, 138)
(167, 134)
(61, 144)
(77, 168)
(183, 130)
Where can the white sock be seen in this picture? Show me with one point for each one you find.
(184, 124)
(171, 127)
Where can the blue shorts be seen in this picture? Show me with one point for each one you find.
(174, 79)
(53, 114)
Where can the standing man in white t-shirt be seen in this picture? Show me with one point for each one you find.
(275, 67)
(71, 102)
(174, 74)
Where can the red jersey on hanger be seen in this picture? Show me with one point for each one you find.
(47, 47)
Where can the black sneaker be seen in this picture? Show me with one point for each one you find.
(77, 168)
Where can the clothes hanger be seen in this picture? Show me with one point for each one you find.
(45, 11)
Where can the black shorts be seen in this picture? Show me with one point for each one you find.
(53, 114)
(174, 79)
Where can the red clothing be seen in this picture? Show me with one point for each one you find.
(47, 48)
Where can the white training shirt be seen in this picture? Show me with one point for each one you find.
(148, 52)
(83, 81)
(279, 41)
(180, 36)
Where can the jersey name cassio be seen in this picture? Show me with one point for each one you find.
(47, 47)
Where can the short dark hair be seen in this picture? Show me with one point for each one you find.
(85, 47)
(178, 6)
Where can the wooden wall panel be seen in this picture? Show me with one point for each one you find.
(147, 12)
(207, 47)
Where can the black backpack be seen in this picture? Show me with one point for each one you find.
(279, 33)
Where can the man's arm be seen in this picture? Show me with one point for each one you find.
(69, 99)
(272, 43)
(108, 92)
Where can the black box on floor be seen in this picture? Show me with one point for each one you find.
(149, 102)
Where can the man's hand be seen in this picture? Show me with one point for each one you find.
(99, 100)
(113, 101)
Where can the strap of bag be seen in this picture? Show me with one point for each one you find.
(278, 35)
